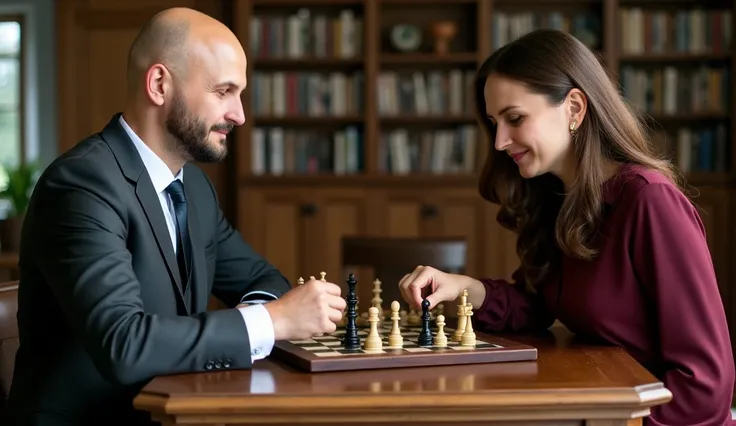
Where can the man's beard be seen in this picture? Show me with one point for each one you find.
(192, 133)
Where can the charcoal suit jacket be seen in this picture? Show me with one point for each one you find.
(102, 309)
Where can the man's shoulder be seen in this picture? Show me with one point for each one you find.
(89, 155)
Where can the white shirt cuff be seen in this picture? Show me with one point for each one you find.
(260, 330)
(263, 293)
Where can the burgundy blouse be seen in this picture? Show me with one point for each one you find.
(652, 291)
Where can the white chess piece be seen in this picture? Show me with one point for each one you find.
(300, 281)
(468, 335)
(377, 301)
(373, 341)
(461, 318)
(322, 276)
(395, 340)
(440, 339)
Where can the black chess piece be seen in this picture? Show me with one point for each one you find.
(350, 339)
(425, 335)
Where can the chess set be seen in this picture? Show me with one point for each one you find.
(392, 338)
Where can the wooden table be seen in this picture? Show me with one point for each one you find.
(570, 384)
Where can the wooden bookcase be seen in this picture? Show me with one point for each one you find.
(294, 204)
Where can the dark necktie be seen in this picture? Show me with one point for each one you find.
(183, 247)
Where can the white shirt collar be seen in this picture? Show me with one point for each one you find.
(159, 172)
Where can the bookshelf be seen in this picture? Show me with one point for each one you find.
(379, 109)
(351, 131)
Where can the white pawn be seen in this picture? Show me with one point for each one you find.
(300, 281)
(440, 339)
(395, 340)
(468, 335)
(322, 276)
(373, 341)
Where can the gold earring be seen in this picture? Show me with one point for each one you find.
(574, 132)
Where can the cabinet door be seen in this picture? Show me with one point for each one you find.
(299, 230)
(450, 212)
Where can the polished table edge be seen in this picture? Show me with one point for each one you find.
(617, 403)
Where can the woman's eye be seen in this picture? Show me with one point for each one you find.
(515, 121)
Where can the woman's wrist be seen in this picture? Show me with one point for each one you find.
(476, 291)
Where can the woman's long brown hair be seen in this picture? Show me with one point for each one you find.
(549, 219)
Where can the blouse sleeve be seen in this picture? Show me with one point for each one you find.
(509, 307)
(672, 260)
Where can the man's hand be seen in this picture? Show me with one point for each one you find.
(306, 311)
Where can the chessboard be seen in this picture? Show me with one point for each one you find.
(326, 353)
(395, 338)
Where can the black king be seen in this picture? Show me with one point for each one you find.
(351, 339)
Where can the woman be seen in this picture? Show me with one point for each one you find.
(608, 242)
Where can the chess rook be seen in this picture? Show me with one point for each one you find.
(351, 339)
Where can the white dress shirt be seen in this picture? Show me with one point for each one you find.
(257, 319)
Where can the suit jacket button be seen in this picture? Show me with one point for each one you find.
(208, 366)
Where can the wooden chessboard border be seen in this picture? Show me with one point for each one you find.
(504, 350)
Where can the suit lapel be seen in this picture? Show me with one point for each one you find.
(197, 275)
(134, 170)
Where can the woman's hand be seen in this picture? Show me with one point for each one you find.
(426, 282)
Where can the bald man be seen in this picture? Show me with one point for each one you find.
(124, 243)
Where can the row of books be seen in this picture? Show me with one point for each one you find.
(306, 34)
(508, 26)
(281, 94)
(278, 151)
(670, 91)
(433, 152)
(698, 149)
(695, 31)
(426, 93)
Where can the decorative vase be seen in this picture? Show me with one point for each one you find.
(444, 32)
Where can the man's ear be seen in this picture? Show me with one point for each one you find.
(578, 105)
(157, 83)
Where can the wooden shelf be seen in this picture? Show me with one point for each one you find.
(428, 119)
(303, 3)
(362, 179)
(674, 57)
(463, 58)
(311, 62)
(307, 120)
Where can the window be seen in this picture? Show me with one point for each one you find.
(11, 96)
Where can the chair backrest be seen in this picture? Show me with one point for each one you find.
(8, 335)
(392, 258)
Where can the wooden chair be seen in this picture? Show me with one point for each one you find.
(392, 258)
(8, 336)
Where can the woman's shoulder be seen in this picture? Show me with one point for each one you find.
(637, 184)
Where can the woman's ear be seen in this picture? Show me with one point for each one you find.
(578, 105)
